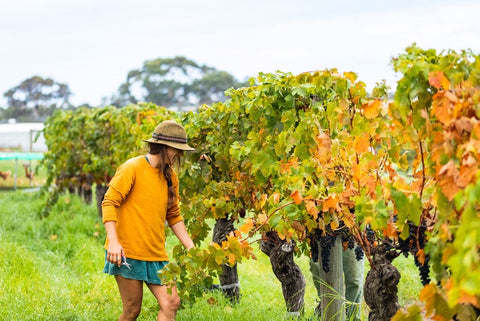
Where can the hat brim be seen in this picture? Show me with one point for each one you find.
(179, 146)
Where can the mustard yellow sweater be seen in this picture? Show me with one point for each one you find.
(137, 200)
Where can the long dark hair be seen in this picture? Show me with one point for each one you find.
(164, 168)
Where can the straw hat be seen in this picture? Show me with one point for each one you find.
(171, 134)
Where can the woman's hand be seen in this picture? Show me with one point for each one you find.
(114, 250)
(115, 253)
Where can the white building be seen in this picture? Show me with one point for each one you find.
(22, 137)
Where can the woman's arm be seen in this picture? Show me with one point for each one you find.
(115, 250)
(181, 232)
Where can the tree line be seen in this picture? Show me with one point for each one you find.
(174, 83)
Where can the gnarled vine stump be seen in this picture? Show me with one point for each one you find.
(100, 191)
(229, 278)
(286, 270)
(380, 290)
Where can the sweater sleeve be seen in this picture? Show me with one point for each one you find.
(173, 212)
(118, 189)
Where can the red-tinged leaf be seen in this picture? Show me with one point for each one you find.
(372, 108)
(292, 163)
(467, 298)
(297, 197)
(438, 80)
(421, 256)
(448, 175)
(297, 226)
(390, 231)
(331, 203)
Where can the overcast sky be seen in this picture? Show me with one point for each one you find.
(92, 44)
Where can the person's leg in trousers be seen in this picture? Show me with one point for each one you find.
(354, 272)
(330, 285)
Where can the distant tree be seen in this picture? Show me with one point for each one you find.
(35, 99)
(174, 82)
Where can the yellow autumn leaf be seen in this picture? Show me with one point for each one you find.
(312, 209)
(361, 144)
(372, 108)
(323, 150)
(442, 108)
(263, 200)
(262, 218)
(247, 226)
(231, 259)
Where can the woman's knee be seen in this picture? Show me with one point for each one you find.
(131, 312)
(174, 302)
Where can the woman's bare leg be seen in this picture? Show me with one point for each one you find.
(131, 292)
(168, 303)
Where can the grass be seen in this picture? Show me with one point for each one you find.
(51, 269)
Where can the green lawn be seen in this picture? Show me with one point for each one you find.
(51, 269)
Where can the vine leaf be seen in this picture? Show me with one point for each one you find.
(297, 197)
(311, 209)
(442, 108)
(361, 144)
(390, 231)
(434, 301)
(324, 146)
(247, 226)
(448, 177)
(331, 203)
(372, 108)
(421, 256)
(438, 80)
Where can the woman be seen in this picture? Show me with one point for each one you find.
(142, 196)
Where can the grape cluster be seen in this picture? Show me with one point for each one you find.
(347, 237)
(424, 270)
(326, 244)
(370, 234)
(412, 244)
(322, 244)
(358, 253)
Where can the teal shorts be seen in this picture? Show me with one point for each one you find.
(137, 270)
